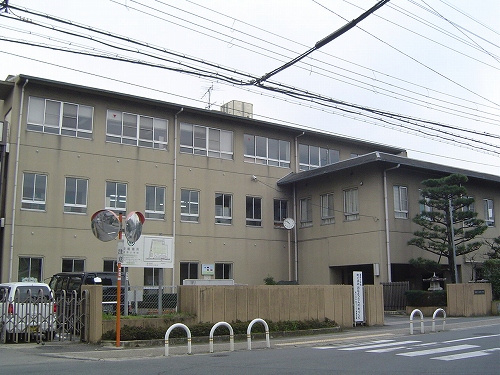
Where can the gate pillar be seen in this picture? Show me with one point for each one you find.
(92, 329)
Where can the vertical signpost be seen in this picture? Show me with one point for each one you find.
(106, 226)
(358, 298)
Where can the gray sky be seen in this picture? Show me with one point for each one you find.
(437, 62)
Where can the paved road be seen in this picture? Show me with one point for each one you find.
(467, 346)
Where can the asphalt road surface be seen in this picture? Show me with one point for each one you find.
(466, 346)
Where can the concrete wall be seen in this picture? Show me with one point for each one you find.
(279, 303)
(473, 299)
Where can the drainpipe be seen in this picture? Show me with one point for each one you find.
(386, 208)
(16, 175)
(295, 242)
(174, 193)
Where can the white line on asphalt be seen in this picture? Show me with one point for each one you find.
(470, 338)
(375, 346)
(452, 357)
(331, 340)
(438, 350)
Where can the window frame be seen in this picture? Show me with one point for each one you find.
(489, 212)
(115, 209)
(322, 153)
(192, 267)
(203, 146)
(155, 214)
(400, 204)
(257, 150)
(44, 126)
(75, 208)
(328, 210)
(227, 267)
(351, 213)
(223, 218)
(189, 216)
(305, 212)
(128, 128)
(38, 268)
(280, 213)
(74, 267)
(255, 219)
(34, 203)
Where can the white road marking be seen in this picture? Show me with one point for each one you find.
(438, 350)
(375, 346)
(452, 357)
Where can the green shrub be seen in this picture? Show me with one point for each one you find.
(128, 333)
(422, 298)
(492, 274)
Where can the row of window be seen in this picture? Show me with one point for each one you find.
(76, 193)
(76, 120)
(32, 267)
(351, 207)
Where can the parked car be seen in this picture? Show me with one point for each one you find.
(73, 281)
(27, 309)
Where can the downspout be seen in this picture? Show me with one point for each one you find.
(295, 242)
(387, 241)
(16, 174)
(174, 193)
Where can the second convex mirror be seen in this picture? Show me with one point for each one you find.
(133, 226)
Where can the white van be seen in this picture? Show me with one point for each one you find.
(27, 309)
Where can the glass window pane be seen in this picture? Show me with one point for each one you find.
(303, 154)
(186, 135)
(114, 123)
(249, 145)
(85, 117)
(29, 186)
(226, 141)
(36, 109)
(284, 150)
(261, 146)
(81, 191)
(160, 130)
(146, 128)
(70, 197)
(69, 115)
(273, 147)
(200, 137)
(52, 112)
(129, 125)
(314, 155)
(214, 139)
(40, 183)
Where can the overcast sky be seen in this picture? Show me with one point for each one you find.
(436, 62)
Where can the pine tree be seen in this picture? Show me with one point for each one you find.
(447, 203)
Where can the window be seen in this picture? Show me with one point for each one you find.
(200, 140)
(280, 211)
(116, 197)
(75, 196)
(424, 207)
(155, 202)
(305, 206)
(489, 213)
(30, 268)
(73, 265)
(223, 208)
(262, 150)
(254, 211)
(311, 157)
(351, 205)
(136, 130)
(55, 117)
(190, 205)
(152, 276)
(400, 202)
(327, 212)
(34, 191)
(189, 270)
(110, 265)
(470, 208)
(223, 270)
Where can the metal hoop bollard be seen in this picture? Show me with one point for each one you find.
(433, 329)
(422, 330)
(249, 331)
(167, 334)
(231, 335)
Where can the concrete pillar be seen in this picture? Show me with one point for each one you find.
(93, 329)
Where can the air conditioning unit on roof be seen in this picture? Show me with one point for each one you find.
(238, 108)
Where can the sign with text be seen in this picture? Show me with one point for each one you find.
(359, 301)
(147, 252)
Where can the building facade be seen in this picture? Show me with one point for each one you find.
(218, 185)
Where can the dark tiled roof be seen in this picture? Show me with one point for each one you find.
(385, 159)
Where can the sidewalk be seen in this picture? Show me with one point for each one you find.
(394, 326)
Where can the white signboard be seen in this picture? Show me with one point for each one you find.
(359, 301)
(147, 252)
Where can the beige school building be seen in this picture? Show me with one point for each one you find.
(217, 185)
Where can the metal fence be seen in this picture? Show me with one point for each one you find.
(151, 300)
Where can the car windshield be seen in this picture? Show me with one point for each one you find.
(23, 292)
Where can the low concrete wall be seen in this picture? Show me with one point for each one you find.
(279, 303)
(472, 299)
